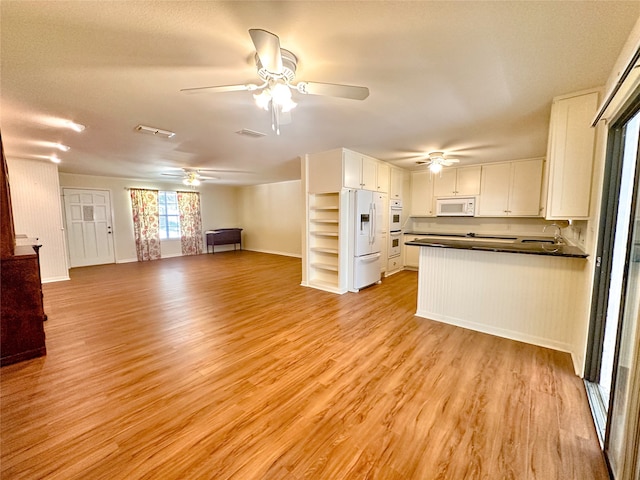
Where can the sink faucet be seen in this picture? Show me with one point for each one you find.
(557, 237)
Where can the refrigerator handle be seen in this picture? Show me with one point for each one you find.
(373, 224)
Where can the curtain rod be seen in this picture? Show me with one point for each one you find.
(607, 101)
(158, 190)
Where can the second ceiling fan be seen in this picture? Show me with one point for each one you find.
(277, 70)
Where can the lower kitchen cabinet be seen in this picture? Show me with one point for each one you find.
(411, 253)
(394, 264)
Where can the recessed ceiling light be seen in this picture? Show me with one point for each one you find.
(54, 159)
(155, 131)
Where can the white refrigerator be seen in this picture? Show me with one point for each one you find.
(368, 214)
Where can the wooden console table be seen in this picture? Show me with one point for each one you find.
(224, 236)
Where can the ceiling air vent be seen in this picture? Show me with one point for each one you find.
(251, 133)
(155, 131)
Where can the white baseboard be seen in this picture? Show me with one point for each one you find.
(172, 255)
(500, 332)
(127, 260)
(56, 279)
(273, 252)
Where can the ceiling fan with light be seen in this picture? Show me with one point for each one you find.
(277, 70)
(436, 161)
(191, 178)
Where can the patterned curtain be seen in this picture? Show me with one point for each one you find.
(144, 204)
(190, 223)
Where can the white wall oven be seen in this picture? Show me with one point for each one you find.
(395, 242)
(395, 215)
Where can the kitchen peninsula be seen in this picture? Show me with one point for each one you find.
(525, 289)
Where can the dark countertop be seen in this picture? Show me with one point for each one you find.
(517, 246)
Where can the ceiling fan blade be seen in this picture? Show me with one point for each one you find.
(333, 90)
(172, 175)
(449, 161)
(221, 170)
(220, 89)
(268, 49)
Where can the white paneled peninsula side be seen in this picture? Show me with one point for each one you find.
(522, 291)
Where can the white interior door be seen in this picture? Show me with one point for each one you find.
(88, 216)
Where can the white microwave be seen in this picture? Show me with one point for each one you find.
(456, 207)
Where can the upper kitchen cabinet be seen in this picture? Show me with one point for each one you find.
(360, 171)
(570, 155)
(397, 179)
(461, 181)
(383, 172)
(511, 189)
(333, 170)
(422, 194)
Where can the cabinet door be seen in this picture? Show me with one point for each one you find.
(571, 152)
(352, 169)
(444, 183)
(324, 171)
(411, 254)
(383, 177)
(494, 191)
(369, 174)
(397, 178)
(468, 181)
(526, 184)
(421, 194)
(383, 249)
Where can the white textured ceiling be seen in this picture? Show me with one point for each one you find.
(474, 79)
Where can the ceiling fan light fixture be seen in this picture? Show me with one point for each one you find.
(192, 180)
(435, 167)
(263, 99)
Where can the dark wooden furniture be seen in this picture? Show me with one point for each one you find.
(224, 236)
(21, 309)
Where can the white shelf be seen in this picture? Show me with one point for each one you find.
(332, 251)
(324, 242)
(326, 209)
(325, 266)
(329, 222)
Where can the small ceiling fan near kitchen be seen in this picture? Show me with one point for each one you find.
(436, 161)
(276, 71)
(191, 178)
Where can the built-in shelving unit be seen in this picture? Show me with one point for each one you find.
(324, 241)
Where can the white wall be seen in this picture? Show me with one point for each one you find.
(35, 199)
(218, 208)
(271, 217)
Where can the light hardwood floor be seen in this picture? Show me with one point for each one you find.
(222, 366)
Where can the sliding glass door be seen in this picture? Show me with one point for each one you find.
(613, 364)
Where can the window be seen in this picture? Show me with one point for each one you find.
(169, 215)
